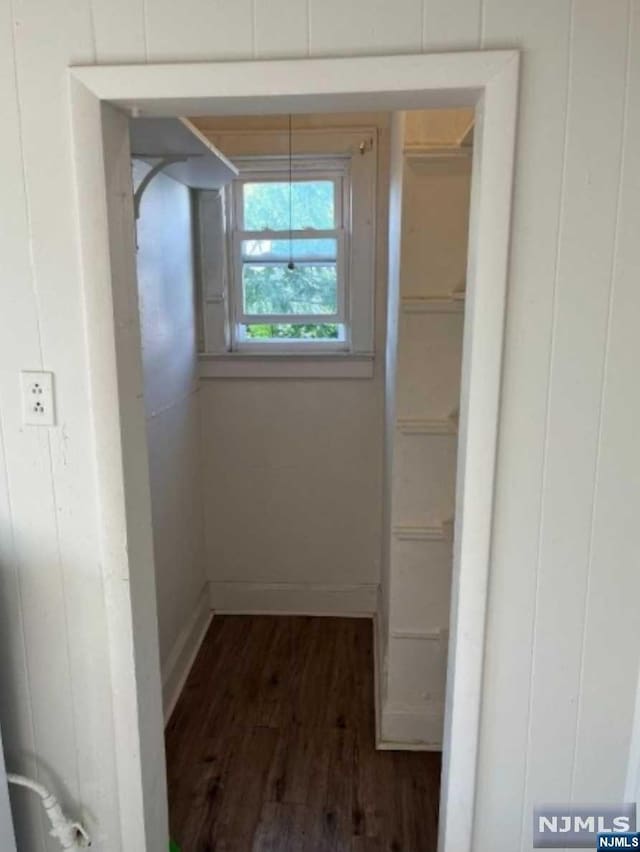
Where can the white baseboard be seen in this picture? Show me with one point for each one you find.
(293, 599)
(178, 664)
(411, 728)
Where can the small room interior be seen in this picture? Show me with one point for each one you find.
(302, 466)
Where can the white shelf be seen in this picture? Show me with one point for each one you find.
(436, 634)
(203, 166)
(425, 426)
(433, 532)
(449, 303)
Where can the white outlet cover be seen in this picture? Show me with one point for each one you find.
(38, 404)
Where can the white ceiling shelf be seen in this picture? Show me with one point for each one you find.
(177, 148)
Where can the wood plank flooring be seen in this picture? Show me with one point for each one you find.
(271, 746)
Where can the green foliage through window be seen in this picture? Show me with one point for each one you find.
(266, 205)
(276, 289)
(287, 331)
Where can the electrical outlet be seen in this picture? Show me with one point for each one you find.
(38, 407)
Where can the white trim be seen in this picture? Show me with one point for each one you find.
(277, 87)
(437, 634)
(119, 434)
(487, 271)
(243, 365)
(293, 598)
(426, 426)
(183, 654)
(435, 532)
(418, 153)
(486, 80)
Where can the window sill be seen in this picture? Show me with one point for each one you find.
(286, 365)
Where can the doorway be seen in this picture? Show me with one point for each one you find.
(484, 81)
(266, 491)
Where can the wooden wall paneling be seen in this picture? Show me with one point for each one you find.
(281, 28)
(363, 28)
(545, 31)
(593, 154)
(193, 30)
(120, 30)
(16, 713)
(610, 637)
(451, 24)
(75, 742)
(32, 568)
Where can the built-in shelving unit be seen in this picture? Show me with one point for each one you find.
(423, 459)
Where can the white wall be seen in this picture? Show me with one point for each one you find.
(165, 266)
(293, 469)
(562, 650)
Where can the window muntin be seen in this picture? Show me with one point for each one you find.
(274, 303)
(267, 249)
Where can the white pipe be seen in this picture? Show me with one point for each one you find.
(70, 835)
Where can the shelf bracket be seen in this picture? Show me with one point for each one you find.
(146, 180)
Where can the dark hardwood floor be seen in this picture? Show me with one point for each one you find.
(271, 746)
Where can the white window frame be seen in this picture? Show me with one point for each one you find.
(224, 353)
(335, 169)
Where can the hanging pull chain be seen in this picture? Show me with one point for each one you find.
(291, 264)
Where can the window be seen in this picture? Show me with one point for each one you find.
(287, 254)
(289, 241)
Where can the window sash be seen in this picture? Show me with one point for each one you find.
(243, 318)
(302, 172)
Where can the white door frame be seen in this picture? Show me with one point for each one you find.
(102, 98)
